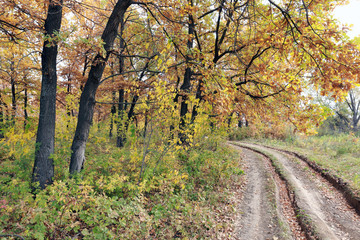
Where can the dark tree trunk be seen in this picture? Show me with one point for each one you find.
(70, 112)
(25, 106)
(112, 116)
(120, 138)
(131, 112)
(240, 121)
(4, 116)
(87, 100)
(198, 96)
(229, 119)
(13, 101)
(1, 110)
(185, 87)
(43, 170)
(113, 106)
(212, 126)
(121, 133)
(2, 120)
(146, 122)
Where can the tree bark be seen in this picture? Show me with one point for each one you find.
(185, 87)
(87, 99)
(131, 112)
(113, 107)
(120, 138)
(229, 119)
(13, 95)
(200, 97)
(2, 122)
(121, 133)
(25, 106)
(240, 120)
(43, 171)
(112, 114)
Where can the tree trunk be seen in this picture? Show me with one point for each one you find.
(43, 170)
(354, 106)
(113, 106)
(120, 138)
(131, 112)
(146, 122)
(69, 111)
(240, 120)
(87, 100)
(25, 106)
(2, 122)
(121, 133)
(200, 97)
(229, 119)
(13, 101)
(185, 87)
(112, 115)
(125, 126)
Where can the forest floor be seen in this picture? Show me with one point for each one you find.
(284, 198)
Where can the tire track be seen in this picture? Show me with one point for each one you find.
(329, 214)
(266, 211)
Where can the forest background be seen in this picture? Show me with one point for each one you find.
(113, 114)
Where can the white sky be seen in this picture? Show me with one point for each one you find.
(350, 14)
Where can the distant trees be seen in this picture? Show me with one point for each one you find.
(353, 103)
(346, 114)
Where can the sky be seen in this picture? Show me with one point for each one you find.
(350, 14)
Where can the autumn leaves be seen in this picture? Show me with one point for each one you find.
(194, 61)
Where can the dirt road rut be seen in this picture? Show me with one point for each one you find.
(268, 212)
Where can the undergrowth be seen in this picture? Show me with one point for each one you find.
(178, 194)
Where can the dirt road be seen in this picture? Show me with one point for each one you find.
(284, 199)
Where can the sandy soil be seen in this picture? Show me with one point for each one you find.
(262, 214)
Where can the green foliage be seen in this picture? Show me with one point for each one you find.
(284, 132)
(333, 125)
(238, 134)
(174, 197)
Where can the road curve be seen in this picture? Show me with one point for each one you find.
(329, 214)
(265, 211)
